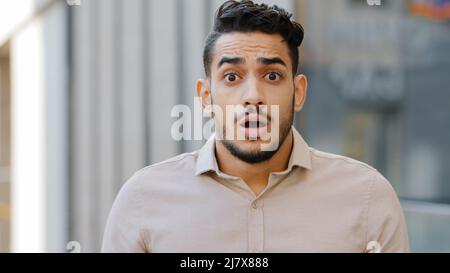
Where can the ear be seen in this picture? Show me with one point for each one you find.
(300, 90)
(203, 92)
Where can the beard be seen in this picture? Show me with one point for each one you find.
(258, 156)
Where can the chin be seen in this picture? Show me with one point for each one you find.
(249, 151)
(249, 145)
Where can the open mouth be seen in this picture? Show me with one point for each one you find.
(253, 121)
(253, 126)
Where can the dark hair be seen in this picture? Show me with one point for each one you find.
(247, 16)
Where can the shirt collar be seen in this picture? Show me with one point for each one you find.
(300, 155)
(206, 160)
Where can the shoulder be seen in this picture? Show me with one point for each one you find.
(351, 172)
(324, 159)
(181, 162)
(166, 172)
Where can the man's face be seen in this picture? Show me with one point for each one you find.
(254, 71)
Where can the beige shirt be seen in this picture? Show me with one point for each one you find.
(320, 203)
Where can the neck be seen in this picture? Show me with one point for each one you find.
(255, 175)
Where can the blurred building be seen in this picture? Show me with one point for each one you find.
(87, 89)
(378, 92)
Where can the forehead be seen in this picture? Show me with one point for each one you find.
(250, 46)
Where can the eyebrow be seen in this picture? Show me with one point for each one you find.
(261, 60)
(230, 60)
(269, 61)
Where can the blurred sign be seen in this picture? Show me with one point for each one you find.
(368, 84)
(375, 32)
(73, 2)
(436, 10)
(374, 2)
(361, 77)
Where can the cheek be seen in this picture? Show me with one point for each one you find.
(223, 97)
(284, 100)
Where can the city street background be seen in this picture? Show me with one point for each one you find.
(87, 87)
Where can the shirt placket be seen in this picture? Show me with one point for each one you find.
(255, 227)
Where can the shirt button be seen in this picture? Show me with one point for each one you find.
(255, 205)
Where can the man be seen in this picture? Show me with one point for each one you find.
(234, 196)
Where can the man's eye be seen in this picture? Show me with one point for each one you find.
(272, 76)
(231, 77)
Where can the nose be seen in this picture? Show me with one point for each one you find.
(253, 94)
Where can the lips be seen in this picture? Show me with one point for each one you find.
(253, 126)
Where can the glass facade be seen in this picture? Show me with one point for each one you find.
(379, 92)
